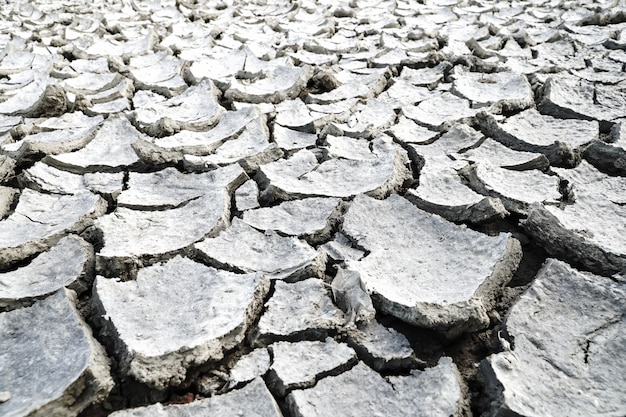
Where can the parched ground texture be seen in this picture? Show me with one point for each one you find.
(313, 208)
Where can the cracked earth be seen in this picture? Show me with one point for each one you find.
(313, 208)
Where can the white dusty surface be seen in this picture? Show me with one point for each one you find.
(425, 270)
(559, 337)
(312, 208)
(159, 347)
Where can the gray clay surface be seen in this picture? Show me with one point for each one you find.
(312, 208)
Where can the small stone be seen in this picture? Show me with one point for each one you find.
(567, 333)
(608, 158)
(351, 296)
(51, 364)
(618, 134)
(160, 331)
(587, 182)
(300, 365)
